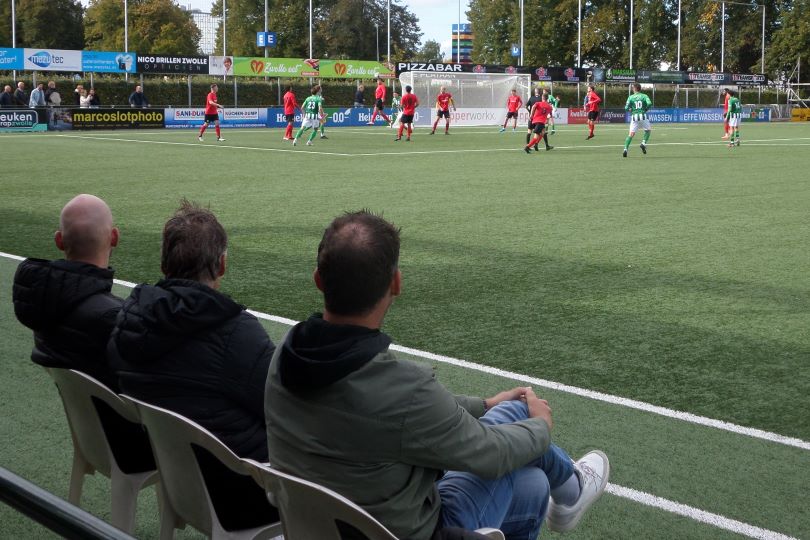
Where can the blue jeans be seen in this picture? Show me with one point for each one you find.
(515, 503)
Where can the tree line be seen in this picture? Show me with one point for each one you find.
(357, 28)
(550, 33)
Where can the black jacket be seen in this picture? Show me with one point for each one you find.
(183, 346)
(6, 100)
(69, 307)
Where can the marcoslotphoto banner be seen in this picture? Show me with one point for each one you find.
(116, 118)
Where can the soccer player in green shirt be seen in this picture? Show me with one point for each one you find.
(396, 109)
(313, 112)
(554, 102)
(734, 117)
(638, 104)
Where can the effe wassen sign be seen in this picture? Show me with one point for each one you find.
(117, 119)
(172, 64)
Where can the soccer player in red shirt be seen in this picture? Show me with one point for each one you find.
(592, 106)
(539, 114)
(211, 113)
(725, 114)
(379, 107)
(443, 102)
(513, 104)
(290, 104)
(409, 104)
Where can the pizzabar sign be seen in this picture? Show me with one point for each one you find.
(117, 119)
(197, 65)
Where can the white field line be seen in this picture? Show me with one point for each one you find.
(766, 142)
(560, 387)
(641, 497)
(702, 516)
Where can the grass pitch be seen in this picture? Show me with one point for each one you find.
(677, 278)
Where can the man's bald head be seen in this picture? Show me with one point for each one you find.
(86, 232)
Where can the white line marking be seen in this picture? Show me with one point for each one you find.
(702, 516)
(641, 497)
(560, 387)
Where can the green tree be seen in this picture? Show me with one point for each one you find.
(54, 24)
(431, 51)
(155, 26)
(5, 24)
(791, 39)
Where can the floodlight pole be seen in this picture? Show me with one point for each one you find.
(388, 33)
(631, 33)
(723, 38)
(521, 32)
(310, 29)
(126, 33)
(579, 34)
(224, 34)
(14, 32)
(458, 35)
(377, 28)
(763, 38)
(679, 36)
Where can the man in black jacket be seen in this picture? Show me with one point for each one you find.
(182, 345)
(68, 302)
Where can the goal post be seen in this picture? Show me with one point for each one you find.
(479, 97)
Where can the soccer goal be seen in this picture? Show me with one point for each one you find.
(479, 97)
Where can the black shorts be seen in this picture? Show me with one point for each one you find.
(593, 115)
(211, 117)
(380, 105)
(445, 114)
(406, 119)
(538, 128)
(290, 117)
(511, 114)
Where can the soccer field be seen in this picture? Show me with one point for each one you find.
(678, 279)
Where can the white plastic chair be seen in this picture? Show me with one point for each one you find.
(189, 458)
(107, 438)
(311, 511)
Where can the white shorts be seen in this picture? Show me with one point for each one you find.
(733, 122)
(313, 123)
(643, 124)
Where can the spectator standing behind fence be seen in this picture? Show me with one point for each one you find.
(93, 98)
(6, 99)
(49, 92)
(84, 99)
(359, 98)
(20, 99)
(138, 98)
(37, 98)
(77, 94)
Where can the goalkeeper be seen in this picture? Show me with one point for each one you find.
(638, 104)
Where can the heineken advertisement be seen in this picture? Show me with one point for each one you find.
(275, 67)
(356, 69)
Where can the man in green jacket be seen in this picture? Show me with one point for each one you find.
(343, 411)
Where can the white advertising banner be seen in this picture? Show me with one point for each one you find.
(482, 117)
(52, 60)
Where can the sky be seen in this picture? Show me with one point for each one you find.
(435, 17)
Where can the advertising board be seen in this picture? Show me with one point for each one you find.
(197, 65)
(11, 58)
(23, 120)
(356, 69)
(52, 60)
(237, 117)
(108, 62)
(88, 119)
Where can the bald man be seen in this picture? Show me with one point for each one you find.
(67, 302)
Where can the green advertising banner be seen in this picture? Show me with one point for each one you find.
(274, 67)
(356, 69)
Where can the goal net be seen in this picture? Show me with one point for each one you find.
(479, 97)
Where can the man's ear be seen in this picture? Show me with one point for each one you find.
(223, 263)
(396, 283)
(114, 237)
(57, 239)
(318, 279)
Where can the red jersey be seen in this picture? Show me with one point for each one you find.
(725, 103)
(379, 93)
(209, 107)
(289, 103)
(443, 100)
(513, 103)
(593, 102)
(409, 103)
(541, 111)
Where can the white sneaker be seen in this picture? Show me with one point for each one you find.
(309, 143)
(220, 139)
(295, 141)
(200, 139)
(593, 470)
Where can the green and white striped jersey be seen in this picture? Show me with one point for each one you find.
(311, 107)
(396, 103)
(734, 108)
(554, 102)
(638, 104)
